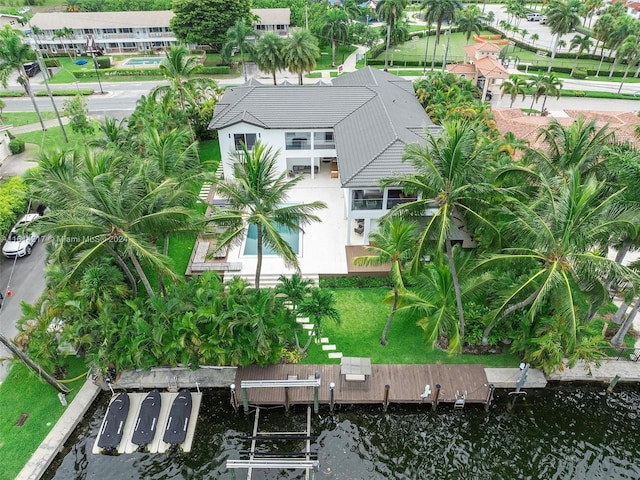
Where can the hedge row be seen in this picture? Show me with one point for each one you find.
(120, 72)
(218, 70)
(13, 203)
(354, 282)
(66, 93)
(587, 73)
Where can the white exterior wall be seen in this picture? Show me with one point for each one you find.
(4, 145)
(277, 140)
(273, 138)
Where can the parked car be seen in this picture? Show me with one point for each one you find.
(31, 69)
(543, 20)
(534, 16)
(21, 240)
(489, 95)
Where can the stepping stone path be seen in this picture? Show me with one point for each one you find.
(204, 192)
(326, 346)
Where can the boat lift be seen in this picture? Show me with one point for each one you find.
(297, 461)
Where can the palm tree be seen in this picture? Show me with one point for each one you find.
(269, 54)
(237, 39)
(181, 70)
(558, 232)
(513, 87)
(13, 55)
(257, 195)
(562, 18)
(449, 188)
(62, 33)
(319, 305)
(470, 21)
(629, 51)
(552, 86)
(335, 26)
(390, 11)
(536, 89)
(507, 145)
(102, 203)
(590, 7)
(434, 301)
(581, 43)
(534, 38)
(582, 146)
(391, 244)
(294, 288)
(439, 11)
(300, 52)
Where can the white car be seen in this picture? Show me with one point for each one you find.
(21, 241)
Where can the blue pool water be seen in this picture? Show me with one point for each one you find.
(133, 62)
(292, 237)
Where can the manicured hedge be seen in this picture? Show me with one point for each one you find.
(354, 282)
(218, 70)
(52, 62)
(13, 203)
(543, 68)
(66, 93)
(120, 72)
(12, 93)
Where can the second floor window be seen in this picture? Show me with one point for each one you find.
(298, 140)
(248, 139)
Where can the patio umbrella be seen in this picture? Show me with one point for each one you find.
(81, 61)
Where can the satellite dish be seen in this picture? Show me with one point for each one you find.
(81, 61)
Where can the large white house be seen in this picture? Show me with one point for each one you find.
(354, 130)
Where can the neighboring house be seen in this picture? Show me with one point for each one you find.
(4, 142)
(12, 20)
(277, 20)
(112, 32)
(129, 32)
(481, 66)
(354, 131)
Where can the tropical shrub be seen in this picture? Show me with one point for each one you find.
(16, 146)
(580, 74)
(13, 202)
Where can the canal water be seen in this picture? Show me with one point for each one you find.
(573, 432)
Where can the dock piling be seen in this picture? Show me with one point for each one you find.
(613, 383)
(434, 405)
(332, 394)
(286, 399)
(234, 400)
(489, 397)
(316, 402)
(245, 401)
(386, 397)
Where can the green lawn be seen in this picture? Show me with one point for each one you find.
(363, 317)
(53, 139)
(210, 152)
(24, 393)
(342, 52)
(24, 118)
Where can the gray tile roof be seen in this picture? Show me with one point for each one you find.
(79, 20)
(373, 113)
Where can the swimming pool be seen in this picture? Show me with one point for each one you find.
(292, 237)
(143, 62)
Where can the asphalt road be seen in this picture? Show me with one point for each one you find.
(24, 278)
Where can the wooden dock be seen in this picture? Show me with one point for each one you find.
(407, 383)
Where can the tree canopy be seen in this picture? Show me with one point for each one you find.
(207, 21)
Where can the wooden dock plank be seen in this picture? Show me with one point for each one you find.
(407, 383)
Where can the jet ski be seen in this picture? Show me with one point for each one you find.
(145, 426)
(113, 426)
(179, 416)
